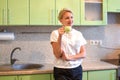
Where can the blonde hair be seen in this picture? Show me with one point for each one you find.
(62, 12)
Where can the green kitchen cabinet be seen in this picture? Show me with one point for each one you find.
(102, 75)
(113, 5)
(42, 12)
(87, 75)
(84, 76)
(3, 12)
(14, 12)
(18, 12)
(8, 77)
(93, 12)
(35, 77)
(52, 77)
(27, 77)
(69, 4)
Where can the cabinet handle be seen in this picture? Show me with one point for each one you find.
(117, 9)
(56, 14)
(15, 78)
(8, 16)
(21, 78)
(52, 14)
(3, 16)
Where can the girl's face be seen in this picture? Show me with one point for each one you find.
(67, 19)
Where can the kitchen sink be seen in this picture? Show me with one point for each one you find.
(8, 67)
(26, 66)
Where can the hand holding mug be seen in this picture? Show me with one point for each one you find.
(67, 29)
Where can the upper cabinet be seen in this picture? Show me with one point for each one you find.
(69, 4)
(113, 5)
(14, 12)
(42, 12)
(3, 12)
(93, 12)
(18, 12)
(45, 12)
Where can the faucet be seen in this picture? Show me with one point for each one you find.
(12, 61)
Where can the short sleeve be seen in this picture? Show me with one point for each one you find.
(83, 41)
(54, 36)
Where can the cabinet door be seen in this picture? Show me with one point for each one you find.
(84, 76)
(93, 12)
(113, 5)
(18, 12)
(70, 4)
(51, 77)
(42, 12)
(35, 77)
(3, 12)
(8, 77)
(102, 75)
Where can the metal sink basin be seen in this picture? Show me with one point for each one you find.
(20, 67)
(26, 66)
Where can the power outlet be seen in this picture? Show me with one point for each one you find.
(95, 42)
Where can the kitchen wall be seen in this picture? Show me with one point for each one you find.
(36, 48)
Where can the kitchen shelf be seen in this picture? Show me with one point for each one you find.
(93, 12)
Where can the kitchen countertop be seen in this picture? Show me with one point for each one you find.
(48, 68)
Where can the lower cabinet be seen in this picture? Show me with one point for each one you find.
(102, 75)
(84, 76)
(27, 77)
(35, 77)
(8, 77)
(87, 75)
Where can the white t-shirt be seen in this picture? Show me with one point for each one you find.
(71, 43)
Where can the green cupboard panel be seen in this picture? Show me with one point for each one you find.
(42, 12)
(3, 12)
(84, 76)
(93, 12)
(113, 5)
(8, 77)
(18, 12)
(102, 75)
(70, 4)
(35, 77)
(52, 77)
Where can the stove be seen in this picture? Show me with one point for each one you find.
(114, 62)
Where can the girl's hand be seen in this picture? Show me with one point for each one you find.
(61, 30)
(66, 57)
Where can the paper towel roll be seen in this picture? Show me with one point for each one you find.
(7, 36)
